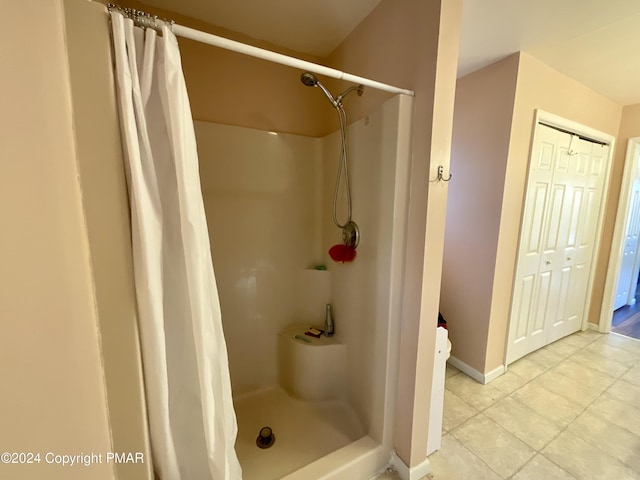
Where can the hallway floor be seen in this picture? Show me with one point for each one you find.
(629, 327)
(626, 320)
(568, 411)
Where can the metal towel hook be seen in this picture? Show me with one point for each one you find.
(570, 151)
(440, 176)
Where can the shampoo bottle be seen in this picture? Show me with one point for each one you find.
(328, 322)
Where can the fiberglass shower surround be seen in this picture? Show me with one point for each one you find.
(257, 187)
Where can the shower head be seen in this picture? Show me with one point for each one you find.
(310, 80)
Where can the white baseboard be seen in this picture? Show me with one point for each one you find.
(410, 473)
(493, 374)
(482, 378)
(472, 372)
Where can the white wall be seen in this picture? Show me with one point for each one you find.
(262, 199)
(360, 290)
(269, 200)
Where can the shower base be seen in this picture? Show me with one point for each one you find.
(304, 431)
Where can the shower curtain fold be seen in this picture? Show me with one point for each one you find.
(191, 418)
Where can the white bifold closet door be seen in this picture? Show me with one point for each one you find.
(556, 253)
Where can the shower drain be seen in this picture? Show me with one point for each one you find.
(266, 438)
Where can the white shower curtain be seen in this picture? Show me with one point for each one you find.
(191, 418)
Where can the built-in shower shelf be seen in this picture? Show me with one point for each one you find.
(296, 333)
(312, 370)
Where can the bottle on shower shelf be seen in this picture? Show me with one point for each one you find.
(328, 322)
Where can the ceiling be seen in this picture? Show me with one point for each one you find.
(596, 42)
(311, 26)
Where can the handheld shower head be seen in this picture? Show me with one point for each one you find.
(310, 80)
(349, 228)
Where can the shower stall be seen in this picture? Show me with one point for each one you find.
(306, 407)
(268, 200)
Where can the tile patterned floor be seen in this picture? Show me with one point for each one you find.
(568, 411)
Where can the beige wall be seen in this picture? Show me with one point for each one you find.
(538, 87)
(104, 196)
(230, 88)
(233, 89)
(53, 389)
(414, 44)
(629, 128)
(481, 132)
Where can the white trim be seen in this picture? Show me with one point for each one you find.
(617, 243)
(495, 373)
(410, 473)
(396, 268)
(469, 370)
(560, 122)
(434, 435)
(592, 326)
(221, 42)
(482, 378)
(624, 336)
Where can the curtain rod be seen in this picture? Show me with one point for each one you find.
(149, 21)
(581, 137)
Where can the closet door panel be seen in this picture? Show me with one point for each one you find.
(558, 235)
(534, 284)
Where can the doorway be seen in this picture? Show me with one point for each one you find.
(626, 319)
(620, 311)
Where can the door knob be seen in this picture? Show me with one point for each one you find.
(548, 262)
(568, 259)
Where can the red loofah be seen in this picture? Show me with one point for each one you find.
(342, 253)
